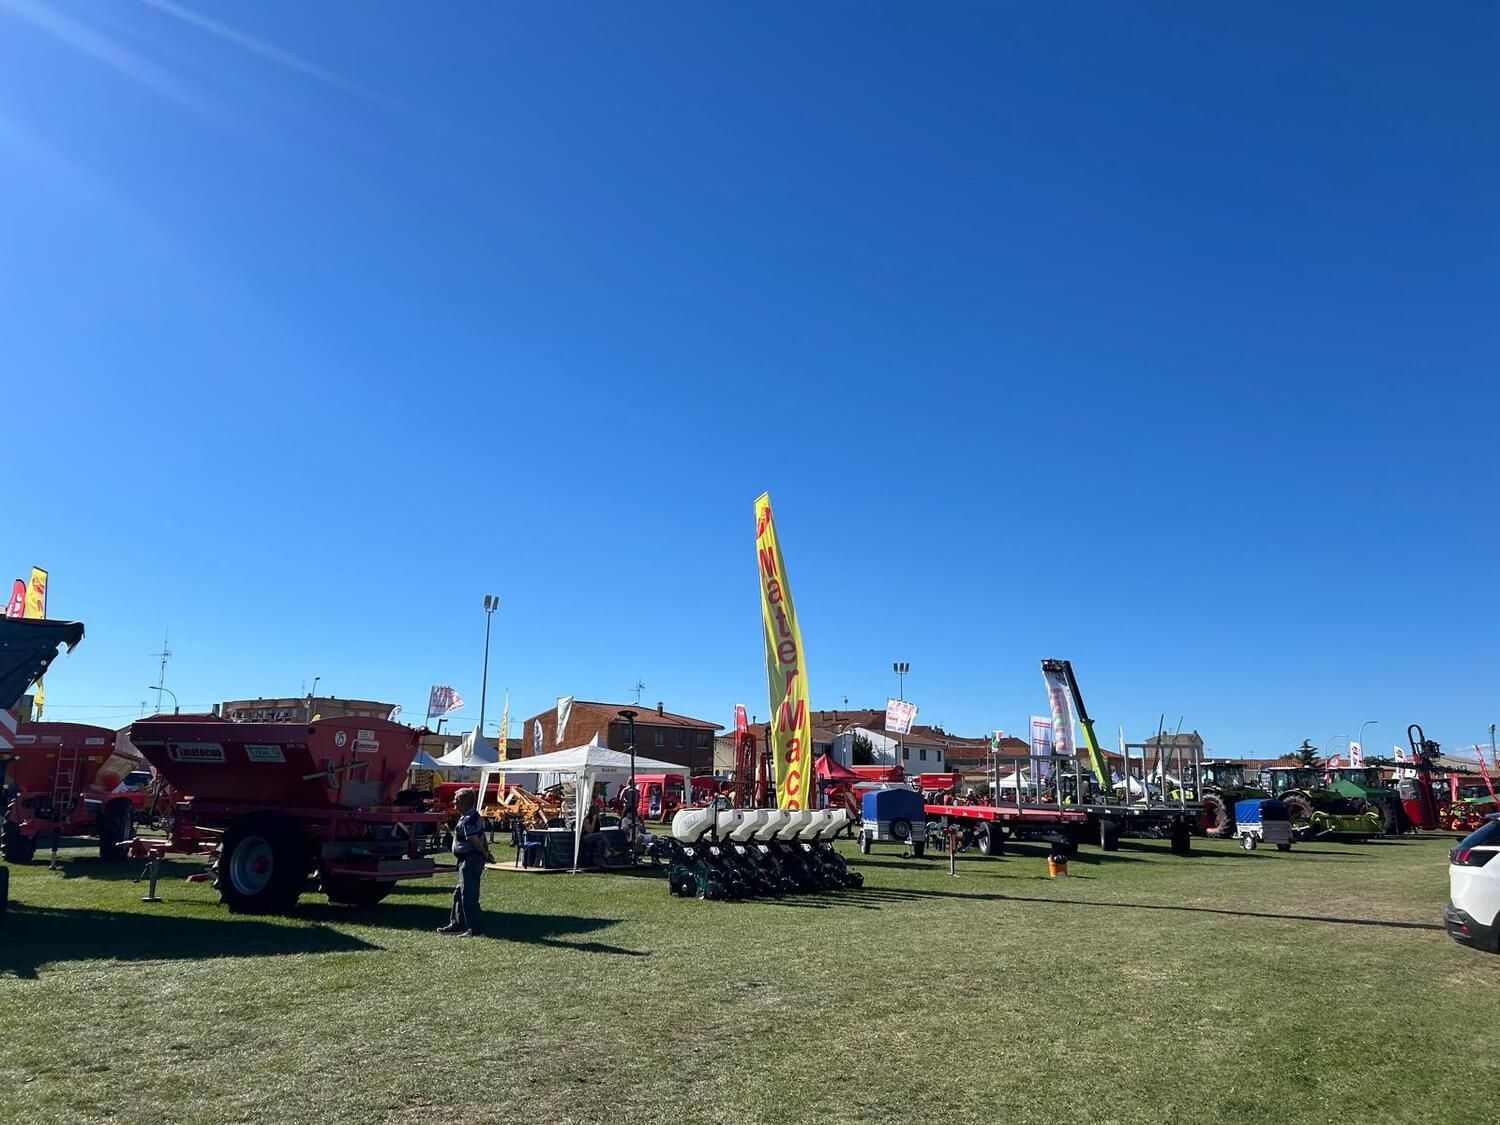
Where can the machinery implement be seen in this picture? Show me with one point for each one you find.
(718, 853)
(68, 779)
(277, 803)
(1223, 786)
(1319, 813)
(28, 646)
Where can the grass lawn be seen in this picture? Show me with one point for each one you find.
(1314, 986)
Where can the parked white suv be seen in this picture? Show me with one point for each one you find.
(1472, 915)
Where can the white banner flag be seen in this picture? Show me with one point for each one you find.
(899, 716)
(1356, 755)
(1062, 714)
(564, 707)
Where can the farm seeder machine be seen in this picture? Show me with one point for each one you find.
(741, 853)
(278, 805)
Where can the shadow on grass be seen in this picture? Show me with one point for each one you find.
(499, 925)
(37, 936)
(872, 898)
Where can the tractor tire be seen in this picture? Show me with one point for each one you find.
(262, 865)
(115, 829)
(919, 850)
(864, 844)
(901, 829)
(356, 892)
(991, 841)
(1216, 818)
(18, 848)
(1182, 838)
(1298, 807)
(1390, 821)
(1109, 835)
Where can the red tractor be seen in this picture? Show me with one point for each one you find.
(67, 779)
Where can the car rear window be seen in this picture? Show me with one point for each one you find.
(1487, 835)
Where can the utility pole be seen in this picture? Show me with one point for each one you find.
(161, 679)
(491, 603)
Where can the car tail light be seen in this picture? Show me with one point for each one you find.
(1470, 857)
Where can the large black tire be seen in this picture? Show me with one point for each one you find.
(115, 828)
(262, 865)
(17, 848)
(1390, 820)
(356, 892)
(1299, 808)
(991, 841)
(1182, 838)
(901, 829)
(1109, 835)
(1217, 820)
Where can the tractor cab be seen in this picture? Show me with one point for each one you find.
(1224, 775)
(1285, 779)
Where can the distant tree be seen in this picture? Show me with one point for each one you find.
(862, 751)
(1307, 754)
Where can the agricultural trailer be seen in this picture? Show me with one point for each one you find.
(276, 805)
(67, 779)
(1222, 785)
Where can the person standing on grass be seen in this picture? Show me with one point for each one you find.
(473, 852)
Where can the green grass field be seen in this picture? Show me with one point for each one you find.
(1315, 986)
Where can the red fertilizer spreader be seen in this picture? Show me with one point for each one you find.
(280, 804)
(67, 783)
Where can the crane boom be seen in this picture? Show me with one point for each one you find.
(1061, 671)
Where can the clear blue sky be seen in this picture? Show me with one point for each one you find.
(1160, 337)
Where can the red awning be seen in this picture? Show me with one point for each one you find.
(826, 769)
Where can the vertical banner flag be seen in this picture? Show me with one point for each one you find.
(36, 606)
(536, 735)
(1041, 735)
(1356, 755)
(564, 709)
(443, 700)
(899, 716)
(1062, 714)
(790, 728)
(741, 722)
(16, 607)
(504, 740)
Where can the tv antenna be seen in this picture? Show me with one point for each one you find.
(161, 679)
(640, 686)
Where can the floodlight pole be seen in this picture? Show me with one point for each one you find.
(629, 716)
(491, 603)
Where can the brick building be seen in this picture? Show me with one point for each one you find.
(659, 733)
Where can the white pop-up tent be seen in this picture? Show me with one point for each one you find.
(1015, 780)
(586, 765)
(425, 761)
(473, 752)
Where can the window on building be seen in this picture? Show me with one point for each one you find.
(703, 738)
(681, 738)
(921, 753)
(938, 756)
(906, 753)
(661, 738)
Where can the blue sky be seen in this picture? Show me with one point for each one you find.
(1159, 337)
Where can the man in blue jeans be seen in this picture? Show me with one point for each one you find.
(473, 852)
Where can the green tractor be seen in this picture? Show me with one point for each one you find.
(1223, 784)
(1320, 813)
(1362, 784)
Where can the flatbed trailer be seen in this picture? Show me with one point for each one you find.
(992, 825)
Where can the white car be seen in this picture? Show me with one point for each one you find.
(1472, 915)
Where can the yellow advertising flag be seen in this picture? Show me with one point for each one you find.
(36, 606)
(790, 726)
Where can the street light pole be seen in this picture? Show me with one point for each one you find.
(1360, 737)
(491, 603)
(629, 716)
(158, 688)
(900, 667)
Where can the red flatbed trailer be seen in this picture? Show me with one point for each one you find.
(274, 802)
(991, 825)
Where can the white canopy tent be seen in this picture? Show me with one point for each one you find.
(425, 761)
(474, 752)
(1015, 780)
(587, 765)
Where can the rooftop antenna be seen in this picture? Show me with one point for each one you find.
(161, 679)
(640, 686)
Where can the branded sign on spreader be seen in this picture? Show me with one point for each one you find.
(200, 752)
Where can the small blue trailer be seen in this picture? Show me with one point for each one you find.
(1259, 821)
(893, 816)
